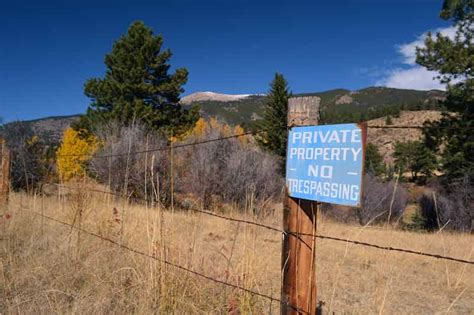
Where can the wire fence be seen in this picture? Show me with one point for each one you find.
(294, 233)
(167, 262)
(231, 219)
(243, 134)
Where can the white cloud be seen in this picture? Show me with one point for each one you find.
(414, 77)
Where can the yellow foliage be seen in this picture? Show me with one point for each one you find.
(223, 128)
(203, 127)
(239, 130)
(173, 139)
(33, 140)
(214, 123)
(74, 151)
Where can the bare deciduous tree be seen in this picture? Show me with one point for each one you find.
(135, 175)
(231, 171)
(453, 210)
(381, 201)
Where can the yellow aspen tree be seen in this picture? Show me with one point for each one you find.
(239, 130)
(214, 123)
(201, 128)
(223, 128)
(74, 152)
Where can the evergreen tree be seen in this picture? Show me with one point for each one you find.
(453, 59)
(373, 160)
(275, 119)
(388, 120)
(415, 157)
(138, 87)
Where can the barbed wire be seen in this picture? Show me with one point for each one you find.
(421, 127)
(166, 147)
(390, 248)
(232, 219)
(167, 262)
(248, 133)
(395, 127)
(207, 212)
(299, 234)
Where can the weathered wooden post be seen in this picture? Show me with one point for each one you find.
(4, 174)
(299, 216)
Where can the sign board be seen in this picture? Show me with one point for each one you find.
(326, 163)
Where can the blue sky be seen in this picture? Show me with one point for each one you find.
(48, 49)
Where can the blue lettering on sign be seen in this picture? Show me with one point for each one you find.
(325, 163)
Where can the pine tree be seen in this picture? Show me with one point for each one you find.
(374, 163)
(137, 86)
(415, 157)
(275, 119)
(453, 59)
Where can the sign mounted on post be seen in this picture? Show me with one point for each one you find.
(326, 163)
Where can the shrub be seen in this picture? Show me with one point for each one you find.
(30, 162)
(234, 170)
(453, 210)
(381, 201)
(144, 175)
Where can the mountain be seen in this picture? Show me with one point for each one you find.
(50, 128)
(338, 105)
(211, 96)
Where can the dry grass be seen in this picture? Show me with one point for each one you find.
(46, 269)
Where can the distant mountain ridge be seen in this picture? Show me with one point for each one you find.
(247, 109)
(211, 96)
(51, 127)
(371, 101)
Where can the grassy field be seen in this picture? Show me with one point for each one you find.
(49, 268)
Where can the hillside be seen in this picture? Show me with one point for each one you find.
(51, 128)
(385, 139)
(338, 105)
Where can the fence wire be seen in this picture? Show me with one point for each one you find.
(295, 233)
(244, 134)
(167, 262)
(237, 220)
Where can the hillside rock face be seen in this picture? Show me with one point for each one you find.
(211, 96)
(385, 139)
(345, 99)
(50, 129)
(53, 127)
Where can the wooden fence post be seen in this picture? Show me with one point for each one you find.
(299, 216)
(4, 174)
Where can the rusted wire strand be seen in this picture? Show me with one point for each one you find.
(298, 234)
(166, 147)
(185, 269)
(248, 133)
(421, 127)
